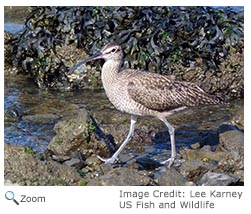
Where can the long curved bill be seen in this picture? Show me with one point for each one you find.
(88, 59)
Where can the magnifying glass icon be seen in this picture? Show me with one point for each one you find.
(9, 195)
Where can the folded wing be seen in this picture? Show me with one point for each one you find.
(162, 93)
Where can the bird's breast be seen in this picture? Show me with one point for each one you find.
(119, 97)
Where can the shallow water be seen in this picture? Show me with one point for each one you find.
(13, 27)
(21, 94)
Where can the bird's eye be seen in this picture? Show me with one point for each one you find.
(114, 50)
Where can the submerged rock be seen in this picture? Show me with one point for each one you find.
(40, 118)
(56, 107)
(11, 115)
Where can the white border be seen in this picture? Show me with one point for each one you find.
(106, 199)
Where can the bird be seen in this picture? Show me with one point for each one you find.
(143, 93)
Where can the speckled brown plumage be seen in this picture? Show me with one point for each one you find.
(142, 93)
(162, 93)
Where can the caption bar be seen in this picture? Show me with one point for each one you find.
(192, 199)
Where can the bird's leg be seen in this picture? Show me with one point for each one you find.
(172, 139)
(129, 136)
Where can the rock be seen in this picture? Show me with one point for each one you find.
(231, 138)
(147, 163)
(217, 179)
(79, 134)
(92, 161)
(74, 162)
(232, 164)
(74, 129)
(70, 134)
(193, 170)
(121, 177)
(60, 158)
(11, 115)
(231, 141)
(23, 168)
(40, 118)
(203, 154)
(195, 146)
(171, 177)
(56, 107)
(238, 119)
(9, 183)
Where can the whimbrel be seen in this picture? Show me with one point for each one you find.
(142, 93)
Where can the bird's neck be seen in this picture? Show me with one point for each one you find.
(110, 72)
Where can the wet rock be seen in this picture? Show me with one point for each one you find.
(217, 179)
(95, 170)
(147, 163)
(55, 107)
(74, 162)
(102, 144)
(60, 158)
(121, 177)
(23, 168)
(16, 13)
(227, 157)
(195, 146)
(193, 170)
(40, 118)
(171, 177)
(80, 134)
(232, 164)
(231, 139)
(203, 154)
(92, 160)
(7, 67)
(12, 115)
(70, 134)
(238, 119)
(232, 142)
(7, 37)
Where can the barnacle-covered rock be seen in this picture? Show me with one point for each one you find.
(193, 43)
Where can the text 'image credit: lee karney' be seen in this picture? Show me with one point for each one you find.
(176, 198)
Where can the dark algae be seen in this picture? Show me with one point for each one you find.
(192, 43)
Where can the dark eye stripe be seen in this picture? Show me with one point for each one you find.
(113, 50)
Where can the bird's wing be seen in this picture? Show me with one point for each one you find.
(161, 93)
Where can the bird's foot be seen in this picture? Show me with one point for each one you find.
(110, 160)
(170, 161)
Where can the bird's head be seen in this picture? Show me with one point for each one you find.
(111, 51)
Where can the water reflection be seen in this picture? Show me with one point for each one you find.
(21, 94)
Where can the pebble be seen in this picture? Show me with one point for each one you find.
(217, 179)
